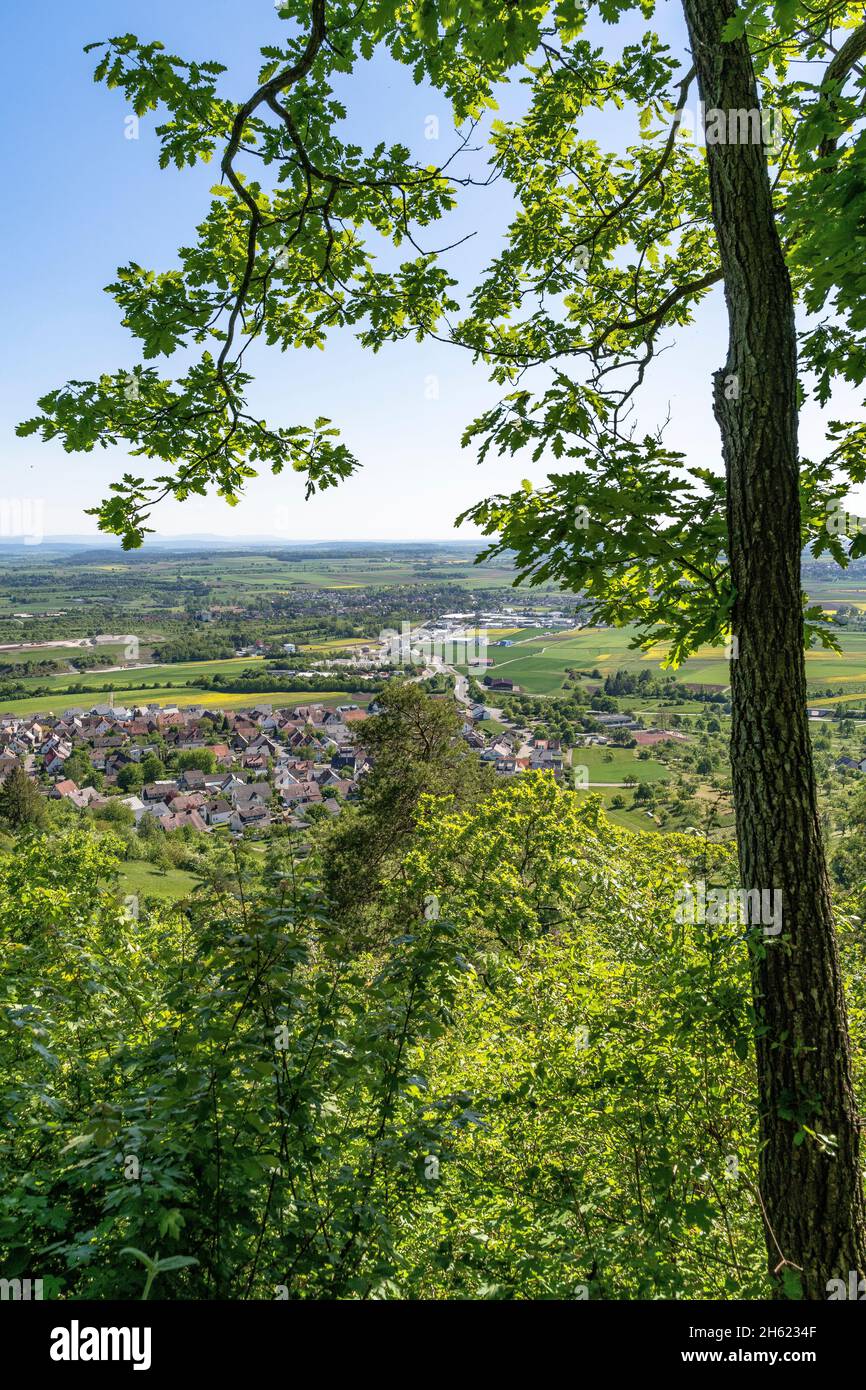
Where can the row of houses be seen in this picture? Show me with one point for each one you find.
(536, 755)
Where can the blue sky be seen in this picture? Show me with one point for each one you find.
(83, 199)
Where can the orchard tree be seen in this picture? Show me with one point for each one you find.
(608, 256)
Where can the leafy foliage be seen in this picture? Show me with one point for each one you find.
(537, 1085)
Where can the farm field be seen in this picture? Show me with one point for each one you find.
(63, 582)
(853, 698)
(286, 572)
(660, 711)
(213, 699)
(849, 665)
(148, 677)
(159, 684)
(337, 644)
(840, 591)
(538, 663)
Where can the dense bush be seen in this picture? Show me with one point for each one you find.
(540, 1086)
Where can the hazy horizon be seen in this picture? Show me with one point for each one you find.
(263, 537)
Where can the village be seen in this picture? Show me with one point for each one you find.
(246, 769)
(267, 765)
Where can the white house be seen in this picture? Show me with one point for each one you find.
(136, 806)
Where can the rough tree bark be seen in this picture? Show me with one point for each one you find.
(811, 1192)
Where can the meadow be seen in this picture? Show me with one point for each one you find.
(628, 817)
(615, 764)
(146, 881)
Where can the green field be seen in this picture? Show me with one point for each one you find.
(55, 580)
(231, 576)
(150, 677)
(628, 817)
(615, 764)
(336, 644)
(145, 880)
(491, 726)
(841, 590)
(538, 663)
(850, 665)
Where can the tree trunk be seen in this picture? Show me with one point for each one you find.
(810, 1187)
